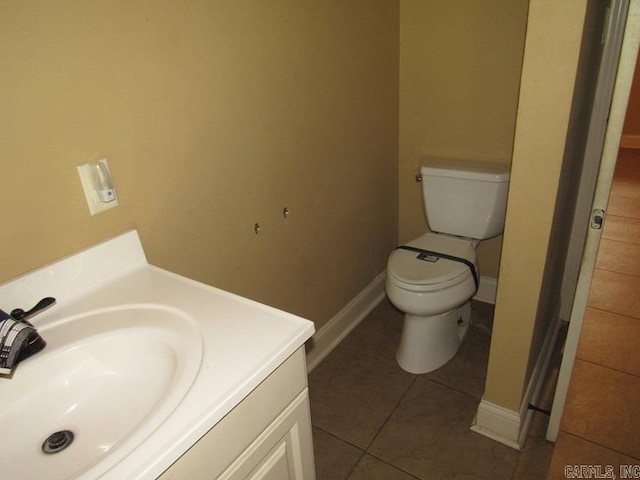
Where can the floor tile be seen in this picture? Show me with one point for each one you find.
(627, 174)
(623, 229)
(574, 451)
(467, 370)
(604, 340)
(534, 460)
(615, 292)
(335, 459)
(595, 392)
(370, 468)
(374, 421)
(622, 206)
(621, 257)
(352, 395)
(379, 333)
(482, 315)
(428, 436)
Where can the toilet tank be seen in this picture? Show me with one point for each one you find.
(467, 198)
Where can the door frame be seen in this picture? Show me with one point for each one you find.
(614, 81)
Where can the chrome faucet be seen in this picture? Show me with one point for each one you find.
(19, 339)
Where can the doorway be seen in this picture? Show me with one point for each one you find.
(621, 72)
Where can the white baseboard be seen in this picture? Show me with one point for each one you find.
(487, 290)
(498, 423)
(508, 426)
(336, 329)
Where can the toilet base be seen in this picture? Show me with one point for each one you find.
(427, 343)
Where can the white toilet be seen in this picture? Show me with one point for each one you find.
(432, 278)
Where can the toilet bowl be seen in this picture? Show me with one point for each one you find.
(434, 293)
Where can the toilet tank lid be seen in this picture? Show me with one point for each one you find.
(481, 170)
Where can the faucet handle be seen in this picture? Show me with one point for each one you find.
(20, 315)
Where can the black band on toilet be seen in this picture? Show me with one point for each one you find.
(426, 254)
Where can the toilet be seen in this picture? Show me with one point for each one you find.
(433, 277)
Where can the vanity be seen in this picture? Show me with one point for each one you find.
(267, 436)
(154, 375)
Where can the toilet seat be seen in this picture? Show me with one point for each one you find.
(411, 273)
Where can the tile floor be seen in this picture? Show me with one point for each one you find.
(373, 421)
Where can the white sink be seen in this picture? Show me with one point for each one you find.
(109, 377)
(140, 363)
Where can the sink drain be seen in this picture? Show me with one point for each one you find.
(58, 441)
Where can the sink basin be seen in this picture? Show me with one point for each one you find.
(109, 376)
(140, 364)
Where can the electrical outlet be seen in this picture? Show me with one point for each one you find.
(98, 186)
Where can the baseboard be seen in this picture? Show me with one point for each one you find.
(630, 141)
(336, 329)
(511, 427)
(498, 423)
(487, 290)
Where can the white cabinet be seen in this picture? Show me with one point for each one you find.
(280, 451)
(267, 436)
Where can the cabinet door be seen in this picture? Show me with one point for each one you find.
(283, 451)
(275, 466)
(280, 462)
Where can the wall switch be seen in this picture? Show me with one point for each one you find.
(98, 186)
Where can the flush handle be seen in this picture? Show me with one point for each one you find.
(597, 219)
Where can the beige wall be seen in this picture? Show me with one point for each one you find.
(575, 186)
(213, 115)
(460, 68)
(554, 31)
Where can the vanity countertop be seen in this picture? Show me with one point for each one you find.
(243, 341)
